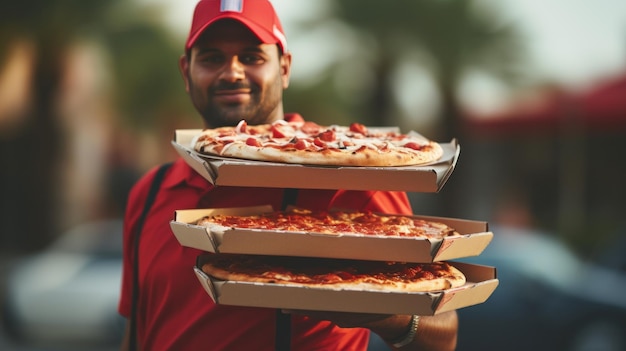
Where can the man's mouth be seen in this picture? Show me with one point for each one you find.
(232, 96)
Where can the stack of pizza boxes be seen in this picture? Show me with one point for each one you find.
(481, 280)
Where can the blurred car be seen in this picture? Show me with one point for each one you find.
(612, 254)
(547, 299)
(67, 295)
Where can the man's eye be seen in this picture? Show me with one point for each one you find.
(211, 59)
(250, 59)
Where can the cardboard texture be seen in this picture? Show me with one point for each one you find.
(482, 282)
(474, 240)
(232, 172)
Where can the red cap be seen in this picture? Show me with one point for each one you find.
(258, 15)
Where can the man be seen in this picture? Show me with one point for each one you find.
(236, 66)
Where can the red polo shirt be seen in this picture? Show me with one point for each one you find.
(175, 313)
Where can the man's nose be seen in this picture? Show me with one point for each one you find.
(233, 70)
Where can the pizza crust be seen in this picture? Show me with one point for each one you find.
(363, 157)
(245, 270)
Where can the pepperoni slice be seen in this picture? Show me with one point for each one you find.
(328, 135)
(276, 133)
(253, 142)
(414, 145)
(318, 142)
(358, 128)
(301, 144)
(310, 128)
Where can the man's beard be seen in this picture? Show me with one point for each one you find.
(229, 115)
(215, 115)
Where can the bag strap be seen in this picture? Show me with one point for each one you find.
(283, 321)
(154, 189)
(283, 331)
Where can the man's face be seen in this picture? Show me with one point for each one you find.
(232, 76)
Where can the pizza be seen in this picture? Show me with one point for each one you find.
(331, 222)
(308, 143)
(327, 273)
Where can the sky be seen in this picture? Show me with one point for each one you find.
(573, 42)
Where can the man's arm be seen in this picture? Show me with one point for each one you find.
(126, 339)
(434, 333)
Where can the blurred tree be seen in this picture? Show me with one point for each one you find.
(31, 156)
(146, 86)
(451, 38)
(448, 39)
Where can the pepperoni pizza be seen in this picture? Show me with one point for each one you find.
(333, 273)
(332, 222)
(311, 144)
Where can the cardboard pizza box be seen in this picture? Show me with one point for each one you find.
(473, 241)
(481, 282)
(234, 172)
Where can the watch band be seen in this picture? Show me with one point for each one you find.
(410, 335)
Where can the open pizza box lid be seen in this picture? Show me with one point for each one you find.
(234, 172)
(481, 282)
(473, 241)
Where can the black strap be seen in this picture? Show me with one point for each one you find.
(289, 198)
(283, 331)
(154, 189)
(283, 321)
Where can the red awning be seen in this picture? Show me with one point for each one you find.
(602, 108)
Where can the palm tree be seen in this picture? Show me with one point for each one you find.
(31, 155)
(144, 60)
(452, 38)
(447, 38)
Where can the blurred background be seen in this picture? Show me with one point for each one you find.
(534, 91)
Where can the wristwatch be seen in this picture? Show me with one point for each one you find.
(410, 335)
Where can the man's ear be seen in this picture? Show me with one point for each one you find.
(285, 68)
(183, 66)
